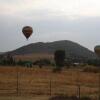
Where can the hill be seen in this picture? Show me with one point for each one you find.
(1, 52)
(72, 49)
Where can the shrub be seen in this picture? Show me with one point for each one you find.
(62, 97)
(7, 60)
(58, 70)
(42, 62)
(85, 98)
(91, 69)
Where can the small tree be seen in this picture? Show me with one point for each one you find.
(59, 57)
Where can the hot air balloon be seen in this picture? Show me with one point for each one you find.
(27, 31)
(97, 50)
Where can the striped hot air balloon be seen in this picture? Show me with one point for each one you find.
(27, 31)
(97, 50)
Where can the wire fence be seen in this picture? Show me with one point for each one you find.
(48, 83)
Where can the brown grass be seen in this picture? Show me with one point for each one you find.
(35, 81)
(24, 98)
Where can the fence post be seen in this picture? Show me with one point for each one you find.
(17, 83)
(79, 93)
(50, 86)
(78, 85)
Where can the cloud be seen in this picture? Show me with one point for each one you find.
(61, 7)
(76, 20)
(84, 30)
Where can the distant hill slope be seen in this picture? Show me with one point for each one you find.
(1, 52)
(72, 49)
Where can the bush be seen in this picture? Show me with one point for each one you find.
(42, 62)
(85, 98)
(94, 62)
(7, 60)
(25, 63)
(62, 97)
(91, 69)
(57, 70)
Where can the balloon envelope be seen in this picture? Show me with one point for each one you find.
(27, 31)
(97, 50)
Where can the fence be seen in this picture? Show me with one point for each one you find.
(44, 82)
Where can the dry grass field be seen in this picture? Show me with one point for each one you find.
(24, 97)
(35, 82)
(35, 56)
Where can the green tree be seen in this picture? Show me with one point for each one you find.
(59, 57)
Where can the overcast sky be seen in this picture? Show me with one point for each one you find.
(52, 20)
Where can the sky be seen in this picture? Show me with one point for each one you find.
(51, 20)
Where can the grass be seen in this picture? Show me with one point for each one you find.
(24, 98)
(36, 81)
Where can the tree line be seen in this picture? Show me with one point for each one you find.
(60, 60)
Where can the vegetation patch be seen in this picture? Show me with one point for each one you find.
(91, 69)
(61, 97)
